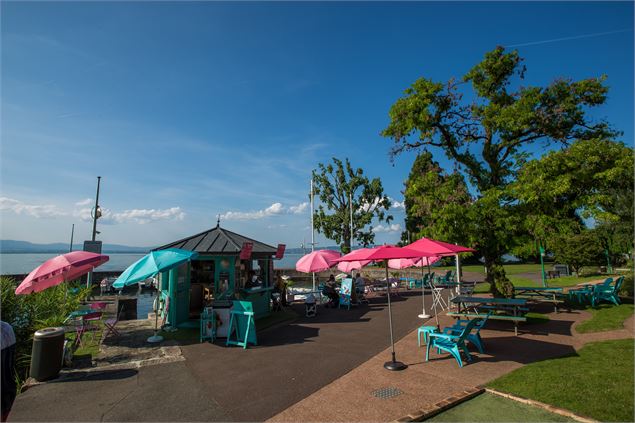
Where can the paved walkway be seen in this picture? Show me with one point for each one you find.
(322, 369)
(425, 383)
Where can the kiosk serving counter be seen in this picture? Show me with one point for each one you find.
(217, 276)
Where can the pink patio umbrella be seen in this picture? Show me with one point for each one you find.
(63, 268)
(317, 261)
(384, 253)
(430, 247)
(349, 266)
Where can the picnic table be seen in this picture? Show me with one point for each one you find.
(541, 294)
(510, 309)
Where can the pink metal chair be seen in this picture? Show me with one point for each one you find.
(110, 324)
(98, 306)
(86, 325)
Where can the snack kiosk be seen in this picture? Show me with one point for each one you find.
(217, 277)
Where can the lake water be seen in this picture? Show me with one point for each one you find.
(16, 264)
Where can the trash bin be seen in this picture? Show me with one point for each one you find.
(47, 353)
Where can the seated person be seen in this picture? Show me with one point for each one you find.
(329, 291)
(359, 285)
(252, 280)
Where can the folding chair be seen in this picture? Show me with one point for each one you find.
(109, 324)
(437, 299)
(85, 325)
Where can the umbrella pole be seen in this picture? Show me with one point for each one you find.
(394, 364)
(156, 338)
(434, 303)
(423, 315)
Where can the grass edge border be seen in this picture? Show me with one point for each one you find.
(441, 406)
(547, 407)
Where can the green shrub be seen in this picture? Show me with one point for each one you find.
(28, 313)
(627, 286)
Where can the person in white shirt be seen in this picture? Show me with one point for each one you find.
(9, 388)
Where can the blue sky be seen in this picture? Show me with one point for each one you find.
(197, 109)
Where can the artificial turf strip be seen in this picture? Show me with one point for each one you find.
(598, 382)
(606, 317)
(492, 408)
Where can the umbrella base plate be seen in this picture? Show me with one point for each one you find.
(155, 338)
(424, 316)
(394, 365)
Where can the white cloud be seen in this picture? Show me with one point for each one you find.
(397, 205)
(299, 209)
(140, 216)
(38, 211)
(84, 202)
(395, 227)
(273, 210)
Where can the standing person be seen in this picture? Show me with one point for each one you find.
(9, 389)
(360, 285)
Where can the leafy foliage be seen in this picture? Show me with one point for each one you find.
(487, 138)
(435, 201)
(578, 250)
(29, 313)
(336, 185)
(589, 179)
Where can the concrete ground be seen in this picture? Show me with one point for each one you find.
(216, 383)
(321, 369)
(425, 383)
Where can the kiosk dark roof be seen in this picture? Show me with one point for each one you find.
(219, 241)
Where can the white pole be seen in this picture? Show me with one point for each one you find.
(312, 234)
(350, 203)
(423, 315)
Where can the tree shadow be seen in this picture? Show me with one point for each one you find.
(83, 376)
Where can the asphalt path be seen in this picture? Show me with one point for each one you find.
(216, 383)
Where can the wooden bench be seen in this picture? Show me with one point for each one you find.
(492, 316)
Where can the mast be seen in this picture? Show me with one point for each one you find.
(350, 205)
(312, 233)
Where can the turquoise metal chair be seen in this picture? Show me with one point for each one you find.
(452, 344)
(585, 295)
(609, 293)
(474, 337)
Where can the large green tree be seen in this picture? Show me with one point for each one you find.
(589, 183)
(336, 184)
(435, 202)
(487, 132)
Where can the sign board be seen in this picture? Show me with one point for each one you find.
(280, 251)
(92, 246)
(347, 286)
(245, 252)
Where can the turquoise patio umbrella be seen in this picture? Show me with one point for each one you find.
(153, 263)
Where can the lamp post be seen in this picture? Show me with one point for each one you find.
(95, 215)
(542, 265)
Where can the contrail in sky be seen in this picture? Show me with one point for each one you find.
(576, 37)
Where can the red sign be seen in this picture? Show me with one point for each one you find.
(245, 252)
(280, 251)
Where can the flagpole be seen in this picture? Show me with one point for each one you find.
(312, 234)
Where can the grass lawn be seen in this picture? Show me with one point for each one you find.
(598, 382)
(564, 281)
(510, 269)
(606, 317)
(492, 408)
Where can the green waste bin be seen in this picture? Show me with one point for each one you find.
(47, 353)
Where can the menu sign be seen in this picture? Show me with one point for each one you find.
(245, 252)
(280, 251)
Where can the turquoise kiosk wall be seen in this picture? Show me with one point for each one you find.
(175, 287)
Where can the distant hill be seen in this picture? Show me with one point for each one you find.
(12, 246)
